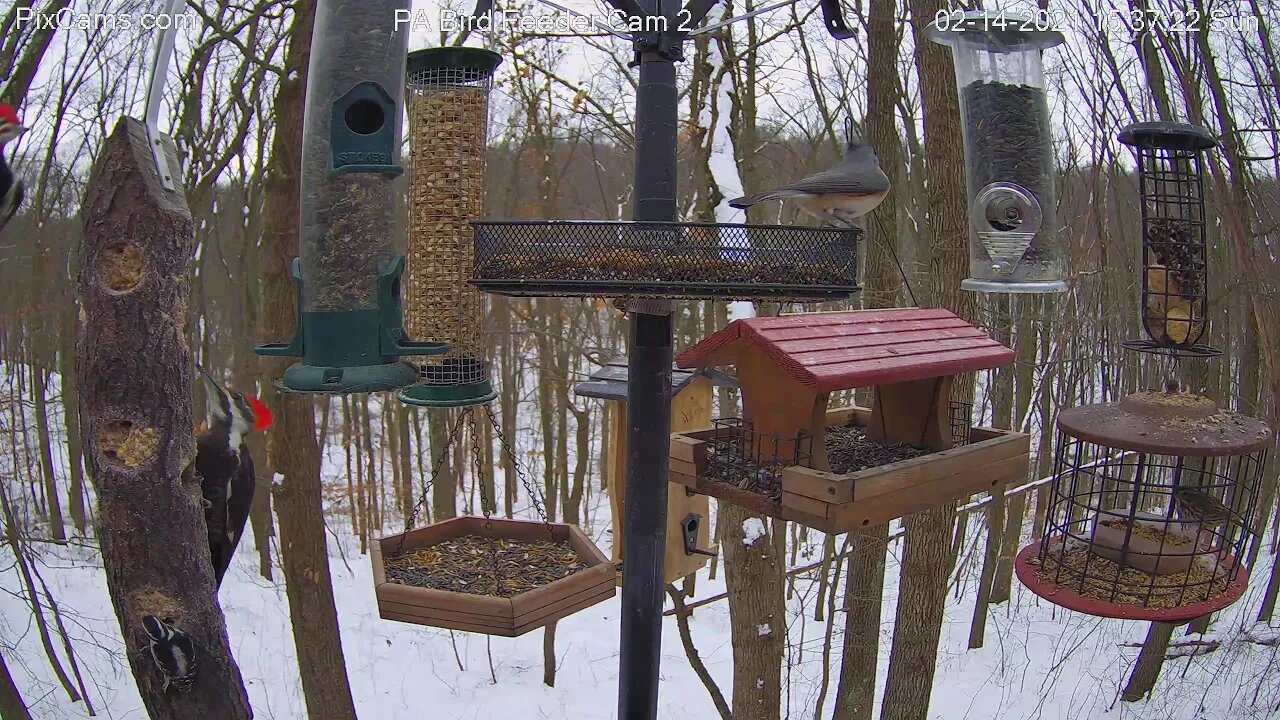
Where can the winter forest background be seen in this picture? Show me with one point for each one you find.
(876, 623)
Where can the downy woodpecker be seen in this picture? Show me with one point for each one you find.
(226, 468)
(10, 186)
(173, 651)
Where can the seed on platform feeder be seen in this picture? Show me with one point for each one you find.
(479, 566)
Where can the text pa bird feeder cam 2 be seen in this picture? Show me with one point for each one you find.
(494, 577)
(1014, 245)
(350, 332)
(791, 457)
(1175, 280)
(1153, 509)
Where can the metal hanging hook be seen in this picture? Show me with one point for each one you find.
(155, 92)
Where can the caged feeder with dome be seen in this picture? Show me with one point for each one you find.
(350, 333)
(1153, 510)
(1174, 283)
(1014, 243)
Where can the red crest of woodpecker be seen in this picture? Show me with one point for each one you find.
(10, 186)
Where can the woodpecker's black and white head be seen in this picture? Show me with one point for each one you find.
(10, 126)
(234, 413)
(173, 651)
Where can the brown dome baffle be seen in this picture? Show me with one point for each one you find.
(1167, 423)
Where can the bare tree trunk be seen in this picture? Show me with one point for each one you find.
(11, 705)
(549, 655)
(292, 445)
(1147, 669)
(757, 615)
(137, 425)
(444, 490)
(57, 529)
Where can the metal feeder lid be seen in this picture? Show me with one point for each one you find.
(1164, 423)
(1168, 136)
(470, 64)
(1002, 32)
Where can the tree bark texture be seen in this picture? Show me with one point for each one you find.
(134, 370)
(291, 442)
(1147, 669)
(757, 616)
(11, 705)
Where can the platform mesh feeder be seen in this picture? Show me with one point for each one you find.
(1153, 510)
(448, 104)
(751, 460)
(1175, 311)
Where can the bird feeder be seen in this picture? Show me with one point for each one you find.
(350, 332)
(1014, 245)
(838, 470)
(413, 572)
(688, 514)
(448, 101)
(1174, 279)
(1153, 509)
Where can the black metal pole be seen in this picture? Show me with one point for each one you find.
(648, 397)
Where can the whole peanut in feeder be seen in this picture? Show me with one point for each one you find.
(350, 332)
(1008, 147)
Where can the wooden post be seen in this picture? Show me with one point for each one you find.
(133, 371)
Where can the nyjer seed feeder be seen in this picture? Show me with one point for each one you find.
(350, 332)
(1174, 286)
(1014, 245)
(1154, 509)
(448, 102)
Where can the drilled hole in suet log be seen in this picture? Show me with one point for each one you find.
(120, 443)
(150, 601)
(365, 117)
(121, 267)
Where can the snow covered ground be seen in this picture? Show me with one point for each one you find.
(1039, 663)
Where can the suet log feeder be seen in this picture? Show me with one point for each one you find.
(688, 514)
(448, 100)
(348, 273)
(838, 470)
(1153, 509)
(1008, 148)
(1174, 284)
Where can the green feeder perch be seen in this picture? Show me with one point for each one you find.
(448, 102)
(350, 332)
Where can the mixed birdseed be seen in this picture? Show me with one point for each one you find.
(479, 566)
(850, 450)
(1097, 577)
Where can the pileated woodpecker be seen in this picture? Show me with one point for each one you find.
(226, 468)
(10, 186)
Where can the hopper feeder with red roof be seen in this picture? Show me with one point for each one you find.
(890, 460)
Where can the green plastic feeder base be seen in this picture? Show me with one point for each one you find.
(303, 378)
(449, 396)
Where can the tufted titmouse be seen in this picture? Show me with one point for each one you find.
(845, 192)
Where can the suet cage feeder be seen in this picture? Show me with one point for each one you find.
(837, 470)
(350, 332)
(1014, 244)
(448, 103)
(513, 606)
(1153, 509)
(1175, 312)
(698, 261)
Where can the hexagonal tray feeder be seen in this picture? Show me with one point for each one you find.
(509, 601)
(893, 459)
(665, 260)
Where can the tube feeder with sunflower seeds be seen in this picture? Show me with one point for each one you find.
(1174, 284)
(348, 272)
(1154, 509)
(448, 102)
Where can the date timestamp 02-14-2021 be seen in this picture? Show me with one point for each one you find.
(1108, 21)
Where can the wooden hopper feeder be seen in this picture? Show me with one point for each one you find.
(490, 615)
(787, 368)
(691, 396)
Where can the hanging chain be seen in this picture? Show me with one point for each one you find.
(477, 467)
(533, 490)
(427, 482)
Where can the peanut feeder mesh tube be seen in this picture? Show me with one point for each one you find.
(448, 103)
(350, 332)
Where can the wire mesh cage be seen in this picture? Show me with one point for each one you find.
(751, 460)
(960, 415)
(1153, 509)
(1174, 283)
(666, 260)
(448, 103)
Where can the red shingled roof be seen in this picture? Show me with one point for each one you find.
(840, 351)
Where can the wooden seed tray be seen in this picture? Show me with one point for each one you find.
(838, 503)
(506, 617)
